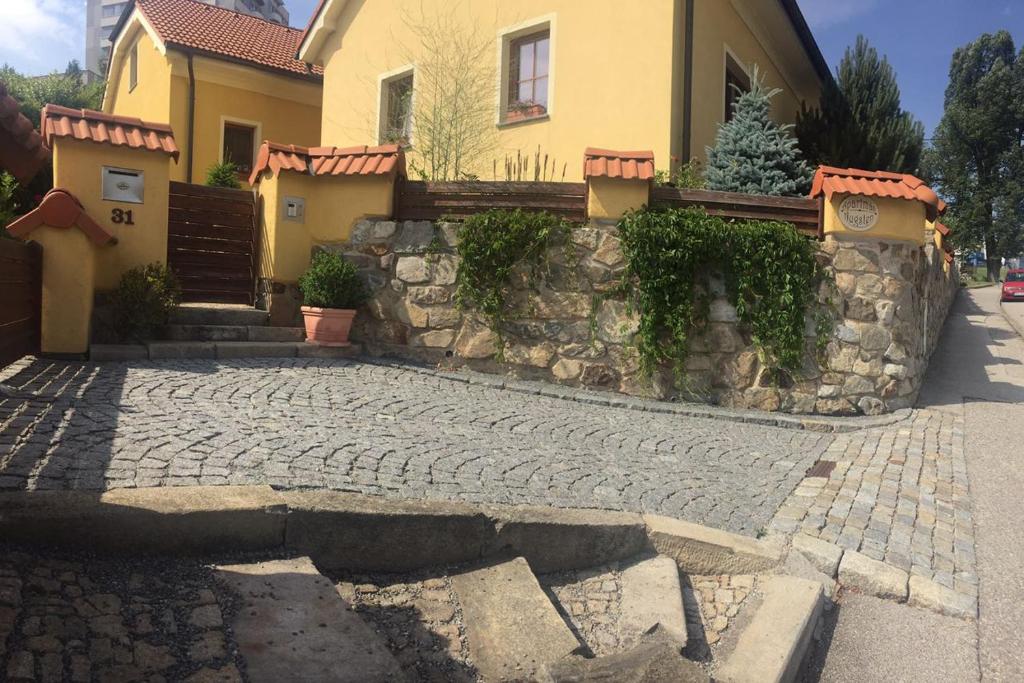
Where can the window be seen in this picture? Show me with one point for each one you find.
(529, 58)
(239, 146)
(396, 110)
(737, 82)
(133, 67)
(113, 10)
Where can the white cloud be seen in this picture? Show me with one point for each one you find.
(822, 14)
(41, 35)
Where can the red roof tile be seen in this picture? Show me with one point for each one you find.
(194, 25)
(60, 209)
(606, 163)
(22, 152)
(119, 131)
(829, 181)
(943, 229)
(322, 161)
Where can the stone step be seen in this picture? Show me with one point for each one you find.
(654, 659)
(172, 350)
(233, 333)
(218, 314)
(293, 626)
(652, 599)
(513, 630)
(774, 644)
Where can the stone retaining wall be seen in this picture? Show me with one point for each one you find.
(890, 300)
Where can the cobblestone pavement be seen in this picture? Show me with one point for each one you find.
(898, 495)
(82, 620)
(383, 430)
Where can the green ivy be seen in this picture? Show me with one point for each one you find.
(491, 246)
(770, 272)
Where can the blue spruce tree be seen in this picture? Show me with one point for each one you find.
(753, 154)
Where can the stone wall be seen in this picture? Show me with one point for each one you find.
(889, 299)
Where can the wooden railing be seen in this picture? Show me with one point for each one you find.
(418, 200)
(805, 214)
(21, 296)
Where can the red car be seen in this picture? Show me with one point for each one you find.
(1013, 287)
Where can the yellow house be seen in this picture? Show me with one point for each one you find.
(553, 75)
(223, 80)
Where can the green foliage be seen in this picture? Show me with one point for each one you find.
(332, 282)
(223, 174)
(10, 202)
(492, 245)
(752, 153)
(977, 159)
(65, 89)
(860, 123)
(770, 272)
(689, 176)
(143, 302)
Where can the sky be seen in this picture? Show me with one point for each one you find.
(917, 36)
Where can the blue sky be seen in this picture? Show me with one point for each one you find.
(918, 36)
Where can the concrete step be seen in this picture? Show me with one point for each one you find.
(171, 350)
(775, 642)
(655, 659)
(233, 333)
(218, 314)
(293, 626)
(652, 599)
(513, 630)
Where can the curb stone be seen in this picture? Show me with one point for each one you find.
(1017, 327)
(930, 595)
(872, 577)
(703, 550)
(823, 555)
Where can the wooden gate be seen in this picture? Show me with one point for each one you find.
(212, 243)
(21, 298)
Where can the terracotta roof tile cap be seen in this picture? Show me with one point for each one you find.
(606, 163)
(829, 180)
(100, 127)
(61, 209)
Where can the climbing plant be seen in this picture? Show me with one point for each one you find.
(492, 245)
(770, 272)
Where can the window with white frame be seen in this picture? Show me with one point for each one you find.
(396, 109)
(528, 76)
(239, 146)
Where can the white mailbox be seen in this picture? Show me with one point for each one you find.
(294, 209)
(123, 185)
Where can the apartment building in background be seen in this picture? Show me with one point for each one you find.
(101, 16)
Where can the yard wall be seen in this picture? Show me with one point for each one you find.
(889, 297)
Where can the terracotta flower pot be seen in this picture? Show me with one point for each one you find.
(328, 326)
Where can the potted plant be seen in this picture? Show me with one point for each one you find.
(331, 293)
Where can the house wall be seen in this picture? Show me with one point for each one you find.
(611, 74)
(718, 27)
(150, 100)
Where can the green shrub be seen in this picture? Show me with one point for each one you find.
(224, 174)
(770, 271)
(143, 302)
(332, 282)
(491, 245)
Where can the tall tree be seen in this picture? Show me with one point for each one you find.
(752, 153)
(977, 153)
(860, 122)
(65, 89)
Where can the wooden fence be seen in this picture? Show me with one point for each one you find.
(806, 214)
(21, 297)
(212, 243)
(418, 200)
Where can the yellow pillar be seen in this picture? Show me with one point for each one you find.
(617, 182)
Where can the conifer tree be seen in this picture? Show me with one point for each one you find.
(860, 123)
(752, 153)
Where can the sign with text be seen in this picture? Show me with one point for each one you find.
(859, 214)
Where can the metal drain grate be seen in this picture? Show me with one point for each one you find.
(822, 468)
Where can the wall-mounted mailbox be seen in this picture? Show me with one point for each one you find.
(123, 185)
(294, 209)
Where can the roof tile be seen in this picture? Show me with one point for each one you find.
(96, 126)
(60, 209)
(322, 161)
(216, 31)
(606, 163)
(829, 180)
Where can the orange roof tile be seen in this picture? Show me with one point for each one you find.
(322, 161)
(22, 152)
(829, 180)
(119, 131)
(60, 209)
(218, 32)
(943, 229)
(606, 163)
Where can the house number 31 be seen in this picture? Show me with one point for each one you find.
(121, 216)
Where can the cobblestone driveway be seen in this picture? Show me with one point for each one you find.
(383, 430)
